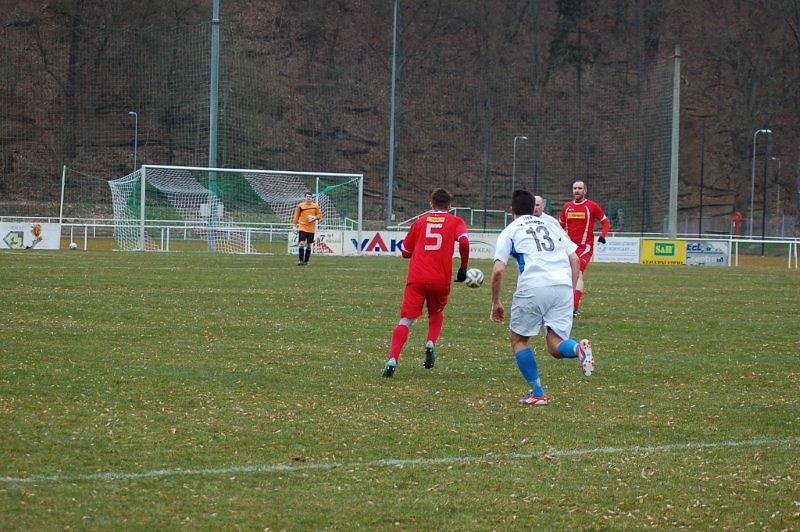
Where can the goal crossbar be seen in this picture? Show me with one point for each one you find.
(250, 171)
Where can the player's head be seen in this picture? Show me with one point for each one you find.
(579, 190)
(522, 203)
(538, 205)
(441, 199)
(309, 197)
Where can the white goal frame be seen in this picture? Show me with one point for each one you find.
(244, 225)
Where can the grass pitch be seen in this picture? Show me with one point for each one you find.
(211, 391)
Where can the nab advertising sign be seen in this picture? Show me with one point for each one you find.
(663, 251)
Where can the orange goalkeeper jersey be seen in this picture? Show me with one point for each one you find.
(301, 216)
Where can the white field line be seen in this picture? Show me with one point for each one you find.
(398, 462)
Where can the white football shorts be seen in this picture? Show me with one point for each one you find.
(549, 306)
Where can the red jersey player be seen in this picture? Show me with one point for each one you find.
(429, 244)
(578, 218)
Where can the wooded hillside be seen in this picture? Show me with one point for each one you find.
(305, 84)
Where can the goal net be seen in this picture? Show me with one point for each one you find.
(229, 210)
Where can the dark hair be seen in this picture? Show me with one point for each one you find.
(441, 199)
(522, 202)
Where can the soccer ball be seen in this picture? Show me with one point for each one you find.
(73, 245)
(474, 278)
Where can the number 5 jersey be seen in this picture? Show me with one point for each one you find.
(431, 243)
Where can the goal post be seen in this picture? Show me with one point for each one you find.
(227, 209)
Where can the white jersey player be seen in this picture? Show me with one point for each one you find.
(548, 270)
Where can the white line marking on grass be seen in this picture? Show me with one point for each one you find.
(397, 462)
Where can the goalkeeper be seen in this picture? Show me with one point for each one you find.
(306, 215)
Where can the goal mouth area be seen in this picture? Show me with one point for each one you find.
(225, 207)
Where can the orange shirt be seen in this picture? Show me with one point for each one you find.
(301, 216)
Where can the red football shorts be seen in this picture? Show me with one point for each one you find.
(416, 294)
(584, 253)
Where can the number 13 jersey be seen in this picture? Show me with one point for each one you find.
(431, 242)
(541, 250)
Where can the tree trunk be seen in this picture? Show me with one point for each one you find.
(538, 74)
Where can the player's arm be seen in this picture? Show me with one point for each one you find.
(562, 218)
(463, 252)
(502, 251)
(570, 248)
(606, 228)
(575, 265)
(497, 314)
(600, 215)
(296, 217)
(318, 215)
(407, 246)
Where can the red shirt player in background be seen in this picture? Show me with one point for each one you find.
(578, 218)
(429, 244)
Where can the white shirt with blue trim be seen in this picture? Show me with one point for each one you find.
(541, 250)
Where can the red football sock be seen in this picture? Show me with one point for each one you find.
(576, 298)
(435, 325)
(399, 337)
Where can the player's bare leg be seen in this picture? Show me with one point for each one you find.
(570, 348)
(526, 362)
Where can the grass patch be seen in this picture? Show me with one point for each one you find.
(130, 363)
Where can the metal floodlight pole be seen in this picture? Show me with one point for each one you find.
(390, 177)
(135, 136)
(214, 94)
(514, 163)
(672, 219)
(702, 177)
(212, 125)
(753, 178)
(778, 187)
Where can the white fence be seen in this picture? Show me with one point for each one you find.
(381, 242)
